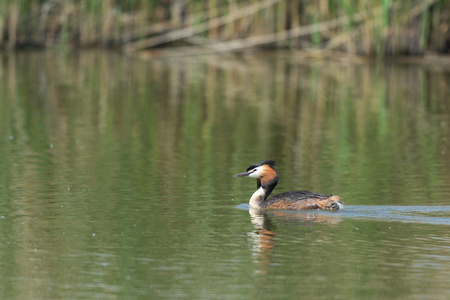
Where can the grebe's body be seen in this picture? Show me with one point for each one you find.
(267, 179)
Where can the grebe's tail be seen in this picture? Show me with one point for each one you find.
(335, 203)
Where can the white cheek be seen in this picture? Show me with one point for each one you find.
(256, 174)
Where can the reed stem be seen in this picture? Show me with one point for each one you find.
(394, 27)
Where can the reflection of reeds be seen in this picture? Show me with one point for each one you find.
(184, 127)
(364, 27)
(185, 111)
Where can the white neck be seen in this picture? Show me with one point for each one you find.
(257, 198)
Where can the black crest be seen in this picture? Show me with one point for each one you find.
(263, 162)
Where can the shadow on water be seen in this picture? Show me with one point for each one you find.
(438, 215)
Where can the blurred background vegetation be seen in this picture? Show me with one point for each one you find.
(387, 27)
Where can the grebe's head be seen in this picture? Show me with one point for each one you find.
(259, 170)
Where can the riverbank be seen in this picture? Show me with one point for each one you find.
(355, 27)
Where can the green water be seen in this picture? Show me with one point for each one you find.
(116, 177)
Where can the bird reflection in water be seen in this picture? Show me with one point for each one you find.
(263, 239)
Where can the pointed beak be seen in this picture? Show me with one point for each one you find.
(242, 174)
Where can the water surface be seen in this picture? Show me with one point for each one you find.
(116, 177)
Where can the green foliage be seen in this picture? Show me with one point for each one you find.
(389, 27)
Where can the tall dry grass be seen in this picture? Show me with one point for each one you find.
(355, 26)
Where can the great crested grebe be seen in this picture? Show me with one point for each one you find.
(267, 179)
